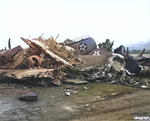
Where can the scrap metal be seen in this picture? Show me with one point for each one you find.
(56, 62)
(30, 96)
(11, 58)
(53, 49)
(23, 74)
(47, 55)
(34, 61)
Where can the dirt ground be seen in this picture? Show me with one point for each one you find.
(94, 102)
(118, 105)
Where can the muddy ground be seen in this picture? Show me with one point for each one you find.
(94, 102)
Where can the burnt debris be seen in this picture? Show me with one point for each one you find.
(45, 61)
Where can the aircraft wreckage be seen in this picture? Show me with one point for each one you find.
(47, 56)
(46, 61)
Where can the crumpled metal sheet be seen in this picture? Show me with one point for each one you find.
(91, 60)
(11, 58)
(30, 96)
(132, 65)
(53, 49)
(26, 73)
(100, 52)
(105, 73)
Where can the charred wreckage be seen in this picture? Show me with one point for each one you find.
(75, 61)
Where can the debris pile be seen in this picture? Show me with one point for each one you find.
(107, 74)
(43, 61)
(121, 69)
(46, 61)
(56, 53)
(103, 73)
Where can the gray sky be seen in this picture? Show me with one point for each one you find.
(123, 21)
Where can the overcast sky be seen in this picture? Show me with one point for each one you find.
(123, 21)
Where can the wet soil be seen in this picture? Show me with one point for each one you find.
(51, 105)
(94, 102)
